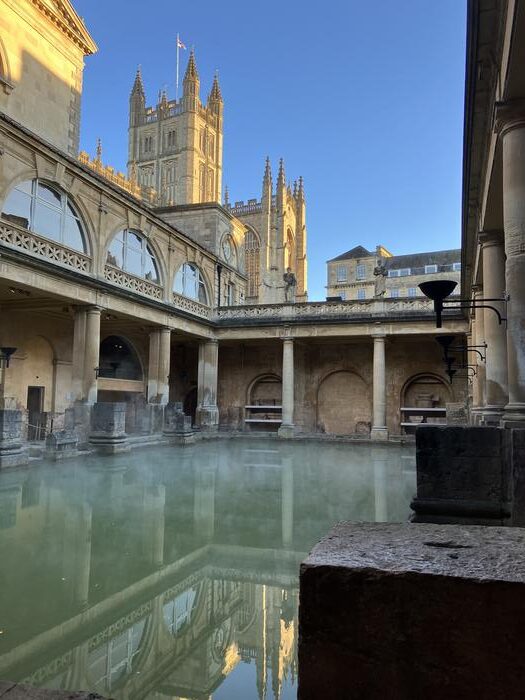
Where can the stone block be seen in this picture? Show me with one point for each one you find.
(12, 452)
(108, 427)
(413, 611)
(61, 445)
(516, 458)
(177, 425)
(462, 475)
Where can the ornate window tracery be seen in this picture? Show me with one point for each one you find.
(190, 283)
(251, 262)
(131, 252)
(47, 211)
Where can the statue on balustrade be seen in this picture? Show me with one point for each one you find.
(289, 285)
(380, 274)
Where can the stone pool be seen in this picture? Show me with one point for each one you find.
(172, 572)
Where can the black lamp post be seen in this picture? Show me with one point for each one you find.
(5, 356)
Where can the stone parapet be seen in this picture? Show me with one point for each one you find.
(413, 611)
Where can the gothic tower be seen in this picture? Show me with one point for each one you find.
(175, 148)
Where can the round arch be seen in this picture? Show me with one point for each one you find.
(265, 388)
(36, 203)
(425, 390)
(115, 252)
(344, 403)
(190, 281)
(119, 359)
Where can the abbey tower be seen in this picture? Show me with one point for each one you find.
(175, 156)
(175, 148)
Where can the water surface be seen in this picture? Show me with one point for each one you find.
(173, 572)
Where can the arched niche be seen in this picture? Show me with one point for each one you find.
(344, 405)
(265, 390)
(119, 360)
(425, 390)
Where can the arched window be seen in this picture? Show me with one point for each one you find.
(251, 261)
(190, 283)
(130, 252)
(47, 211)
(118, 360)
(289, 253)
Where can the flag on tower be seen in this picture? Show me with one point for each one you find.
(180, 45)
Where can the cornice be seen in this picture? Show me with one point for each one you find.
(68, 22)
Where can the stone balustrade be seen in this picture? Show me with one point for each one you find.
(109, 173)
(135, 284)
(250, 207)
(347, 310)
(20, 238)
(191, 306)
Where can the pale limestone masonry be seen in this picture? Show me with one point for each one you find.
(42, 49)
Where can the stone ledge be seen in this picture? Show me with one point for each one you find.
(21, 691)
(412, 611)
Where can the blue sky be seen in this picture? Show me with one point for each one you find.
(364, 100)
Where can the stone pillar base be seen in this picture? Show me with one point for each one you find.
(513, 416)
(286, 431)
(12, 453)
(177, 425)
(491, 416)
(207, 418)
(108, 423)
(379, 434)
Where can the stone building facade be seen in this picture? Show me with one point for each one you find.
(363, 274)
(111, 305)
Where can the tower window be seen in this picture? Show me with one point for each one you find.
(172, 139)
(251, 255)
(148, 144)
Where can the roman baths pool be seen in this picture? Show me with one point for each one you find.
(173, 571)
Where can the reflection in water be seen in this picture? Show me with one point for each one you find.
(173, 572)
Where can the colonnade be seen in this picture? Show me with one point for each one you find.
(501, 399)
(86, 347)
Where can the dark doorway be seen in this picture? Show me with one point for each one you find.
(36, 418)
(190, 404)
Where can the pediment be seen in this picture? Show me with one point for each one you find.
(63, 15)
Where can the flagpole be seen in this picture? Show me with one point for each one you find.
(177, 78)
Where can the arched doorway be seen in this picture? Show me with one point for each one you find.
(118, 360)
(343, 404)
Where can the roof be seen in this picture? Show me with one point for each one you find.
(63, 15)
(436, 257)
(357, 252)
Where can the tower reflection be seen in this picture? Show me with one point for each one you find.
(174, 572)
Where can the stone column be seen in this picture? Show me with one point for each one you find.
(510, 120)
(287, 426)
(159, 365)
(79, 344)
(207, 415)
(91, 354)
(496, 381)
(477, 337)
(379, 429)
